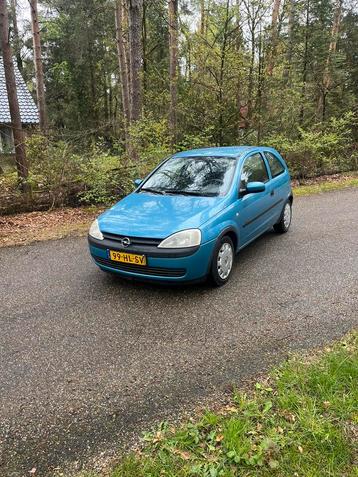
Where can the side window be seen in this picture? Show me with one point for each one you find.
(275, 165)
(254, 170)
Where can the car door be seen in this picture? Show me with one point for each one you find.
(254, 209)
(279, 183)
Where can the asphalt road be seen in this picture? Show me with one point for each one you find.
(87, 360)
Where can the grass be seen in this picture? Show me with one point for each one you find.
(302, 421)
(326, 186)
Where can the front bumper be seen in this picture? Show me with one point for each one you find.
(179, 265)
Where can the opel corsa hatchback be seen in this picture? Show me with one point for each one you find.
(193, 213)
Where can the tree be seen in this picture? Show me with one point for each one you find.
(16, 42)
(19, 138)
(327, 75)
(202, 18)
(289, 51)
(305, 60)
(173, 67)
(271, 59)
(227, 50)
(123, 69)
(135, 57)
(40, 83)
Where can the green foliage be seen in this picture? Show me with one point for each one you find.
(326, 148)
(54, 167)
(150, 139)
(93, 177)
(192, 141)
(105, 178)
(301, 422)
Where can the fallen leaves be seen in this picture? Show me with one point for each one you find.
(183, 454)
(30, 227)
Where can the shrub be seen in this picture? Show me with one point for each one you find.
(106, 178)
(324, 149)
(151, 141)
(54, 168)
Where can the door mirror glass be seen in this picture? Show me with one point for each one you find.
(253, 187)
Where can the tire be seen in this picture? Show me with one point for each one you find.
(222, 261)
(284, 223)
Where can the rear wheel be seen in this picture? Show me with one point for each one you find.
(223, 260)
(284, 223)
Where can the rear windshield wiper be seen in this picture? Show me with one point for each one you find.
(153, 191)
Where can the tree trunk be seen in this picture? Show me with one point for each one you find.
(288, 65)
(238, 47)
(250, 87)
(144, 47)
(272, 51)
(202, 17)
(173, 67)
(122, 66)
(327, 79)
(125, 29)
(19, 138)
(17, 43)
(223, 53)
(305, 64)
(40, 83)
(135, 57)
(260, 88)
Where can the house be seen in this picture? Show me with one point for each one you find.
(28, 110)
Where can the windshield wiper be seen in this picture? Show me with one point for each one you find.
(189, 192)
(153, 191)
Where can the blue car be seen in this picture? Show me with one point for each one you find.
(188, 218)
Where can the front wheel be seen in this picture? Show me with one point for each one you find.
(223, 260)
(284, 223)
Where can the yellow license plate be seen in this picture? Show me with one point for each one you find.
(128, 258)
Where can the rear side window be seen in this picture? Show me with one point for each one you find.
(275, 165)
(254, 169)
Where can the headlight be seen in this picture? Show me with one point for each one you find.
(94, 231)
(185, 238)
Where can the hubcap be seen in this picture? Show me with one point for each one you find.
(225, 260)
(287, 216)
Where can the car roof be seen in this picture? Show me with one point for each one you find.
(226, 151)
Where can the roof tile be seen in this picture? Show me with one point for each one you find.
(28, 110)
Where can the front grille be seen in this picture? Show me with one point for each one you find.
(134, 240)
(155, 271)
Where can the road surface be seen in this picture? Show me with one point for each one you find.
(87, 360)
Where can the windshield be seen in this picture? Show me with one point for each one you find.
(202, 175)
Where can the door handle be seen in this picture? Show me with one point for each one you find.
(272, 192)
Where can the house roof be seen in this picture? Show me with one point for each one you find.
(28, 110)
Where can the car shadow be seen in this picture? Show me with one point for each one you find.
(257, 247)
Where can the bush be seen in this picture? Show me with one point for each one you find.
(61, 175)
(106, 178)
(324, 149)
(151, 142)
(54, 167)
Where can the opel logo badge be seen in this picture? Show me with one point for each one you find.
(126, 242)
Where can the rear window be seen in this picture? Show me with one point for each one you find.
(275, 165)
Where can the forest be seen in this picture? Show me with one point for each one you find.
(122, 84)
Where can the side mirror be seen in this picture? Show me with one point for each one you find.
(137, 182)
(253, 187)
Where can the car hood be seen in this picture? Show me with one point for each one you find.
(158, 216)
